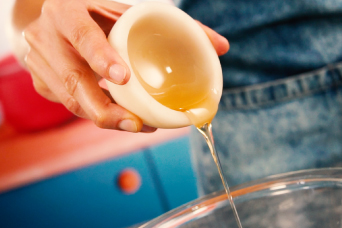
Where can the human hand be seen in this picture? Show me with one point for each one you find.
(69, 53)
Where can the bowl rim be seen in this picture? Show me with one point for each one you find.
(274, 183)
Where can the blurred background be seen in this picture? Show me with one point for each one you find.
(5, 9)
(57, 170)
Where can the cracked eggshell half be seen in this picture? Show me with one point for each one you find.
(132, 95)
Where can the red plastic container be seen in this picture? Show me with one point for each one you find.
(24, 109)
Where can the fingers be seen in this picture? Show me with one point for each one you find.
(38, 84)
(49, 86)
(220, 43)
(82, 85)
(62, 74)
(106, 13)
(69, 50)
(90, 41)
(145, 128)
(110, 9)
(71, 78)
(41, 88)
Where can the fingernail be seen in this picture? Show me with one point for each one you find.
(117, 73)
(146, 129)
(128, 125)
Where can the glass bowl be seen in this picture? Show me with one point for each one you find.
(302, 199)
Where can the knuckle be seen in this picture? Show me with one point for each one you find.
(71, 80)
(98, 56)
(100, 119)
(104, 118)
(79, 34)
(73, 106)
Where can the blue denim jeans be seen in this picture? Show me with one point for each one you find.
(274, 117)
(272, 39)
(274, 127)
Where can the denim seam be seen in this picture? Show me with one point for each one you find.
(282, 90)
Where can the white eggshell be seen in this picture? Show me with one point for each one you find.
(132, 95)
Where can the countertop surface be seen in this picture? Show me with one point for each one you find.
(30, 157)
